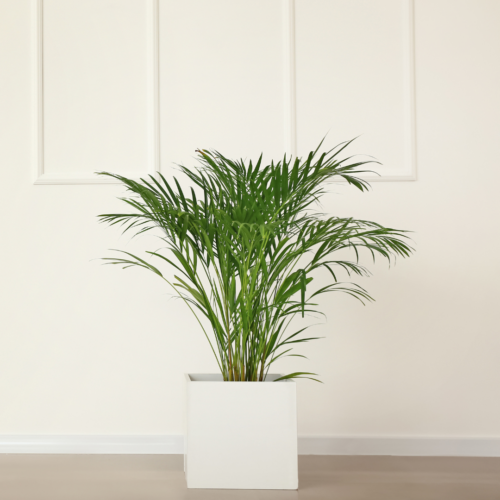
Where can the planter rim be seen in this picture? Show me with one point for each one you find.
(217, 377)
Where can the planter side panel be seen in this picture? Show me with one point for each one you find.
(241, 435)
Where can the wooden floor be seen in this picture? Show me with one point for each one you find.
(148, 477)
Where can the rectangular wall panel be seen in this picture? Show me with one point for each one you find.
(221, 78)
(354, 77)
(96, 89)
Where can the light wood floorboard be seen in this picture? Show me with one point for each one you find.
(152, 477)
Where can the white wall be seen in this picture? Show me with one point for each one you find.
(86, 349)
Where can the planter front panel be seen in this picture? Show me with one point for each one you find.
(241, 435)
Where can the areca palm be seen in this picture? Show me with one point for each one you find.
(244, 250)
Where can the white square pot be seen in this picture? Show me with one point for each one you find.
(240, 435)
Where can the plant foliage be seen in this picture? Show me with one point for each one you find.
(245, 248)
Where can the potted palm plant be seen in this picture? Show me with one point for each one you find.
(245, 244)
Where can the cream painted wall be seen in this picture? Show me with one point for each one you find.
(86, 349)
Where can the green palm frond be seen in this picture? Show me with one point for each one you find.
(245, 249)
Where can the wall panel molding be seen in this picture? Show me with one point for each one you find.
(289, 78)
(153, 153)
(408, 172)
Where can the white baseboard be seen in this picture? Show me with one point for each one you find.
(308, 445)
(93, 445)
(400, 446)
